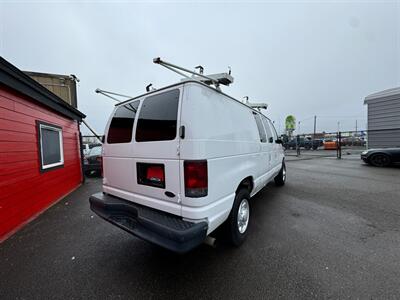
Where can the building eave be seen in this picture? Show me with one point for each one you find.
(385, 94)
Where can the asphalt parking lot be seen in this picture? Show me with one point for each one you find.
(333, 231)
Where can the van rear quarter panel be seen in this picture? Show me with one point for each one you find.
(222, 131)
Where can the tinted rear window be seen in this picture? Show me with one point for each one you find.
(121, 126)
(157, 117)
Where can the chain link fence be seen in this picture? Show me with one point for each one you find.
(326, 144)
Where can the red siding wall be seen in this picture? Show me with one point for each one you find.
(24, 191)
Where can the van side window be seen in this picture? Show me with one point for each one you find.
(121, 125)
(158, 117)
(268, 130)
(260, 127)
(275, 135)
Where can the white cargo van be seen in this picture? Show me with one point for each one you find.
(183, 160)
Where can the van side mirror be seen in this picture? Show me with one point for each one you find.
(279, 141)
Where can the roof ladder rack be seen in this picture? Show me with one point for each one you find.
(257, 106)
(212, 79)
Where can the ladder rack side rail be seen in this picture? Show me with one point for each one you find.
(176, 71)
(164, 64)
(108, 94)
(113, 93)
(111, 97)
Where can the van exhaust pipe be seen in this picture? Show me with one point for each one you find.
(210, 241)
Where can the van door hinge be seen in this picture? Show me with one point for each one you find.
(178, 150)
(179, 198)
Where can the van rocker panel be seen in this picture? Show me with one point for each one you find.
(163, 229)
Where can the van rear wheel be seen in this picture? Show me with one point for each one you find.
(238, 221)
(280, 179)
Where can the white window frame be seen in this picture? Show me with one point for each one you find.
(60, 136)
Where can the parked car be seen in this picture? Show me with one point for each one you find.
(86, 149)
(303, 143)
(330, 145)
(381, 157)
(88, 146)
(352, 141)
(92, 161)
(183, 160)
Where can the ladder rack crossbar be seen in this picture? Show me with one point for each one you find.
(171, 67)
(108, 94)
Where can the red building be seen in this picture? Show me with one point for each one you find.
(40, 151)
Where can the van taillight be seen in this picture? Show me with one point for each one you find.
(196, 178)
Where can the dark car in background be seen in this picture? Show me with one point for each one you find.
(381, 157)
(305, 143)
(92, 162)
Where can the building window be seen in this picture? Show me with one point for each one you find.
(50, 146)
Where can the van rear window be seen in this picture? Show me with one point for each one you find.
(121, 126)
(158, 117)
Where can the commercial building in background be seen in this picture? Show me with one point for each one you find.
(40, 149)
(64, 86)
(384, 118)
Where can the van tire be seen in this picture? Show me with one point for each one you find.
(280, 179)
(233, 234)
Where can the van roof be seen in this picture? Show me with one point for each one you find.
(182, 83)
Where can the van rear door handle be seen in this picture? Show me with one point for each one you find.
(182, 132)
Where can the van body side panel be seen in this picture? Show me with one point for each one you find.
(224, 133)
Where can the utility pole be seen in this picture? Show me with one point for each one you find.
(315, 126)
(356, 127)
(299, 127)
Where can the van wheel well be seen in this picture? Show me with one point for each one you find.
(247, 184)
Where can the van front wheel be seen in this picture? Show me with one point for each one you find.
(238, 222)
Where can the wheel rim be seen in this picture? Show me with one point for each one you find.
(379, 160)
(284, 173)
(243, 216)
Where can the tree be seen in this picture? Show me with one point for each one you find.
(290, 124)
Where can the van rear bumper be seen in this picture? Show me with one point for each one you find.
(163, 229)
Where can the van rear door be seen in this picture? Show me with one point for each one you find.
(151, 159)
